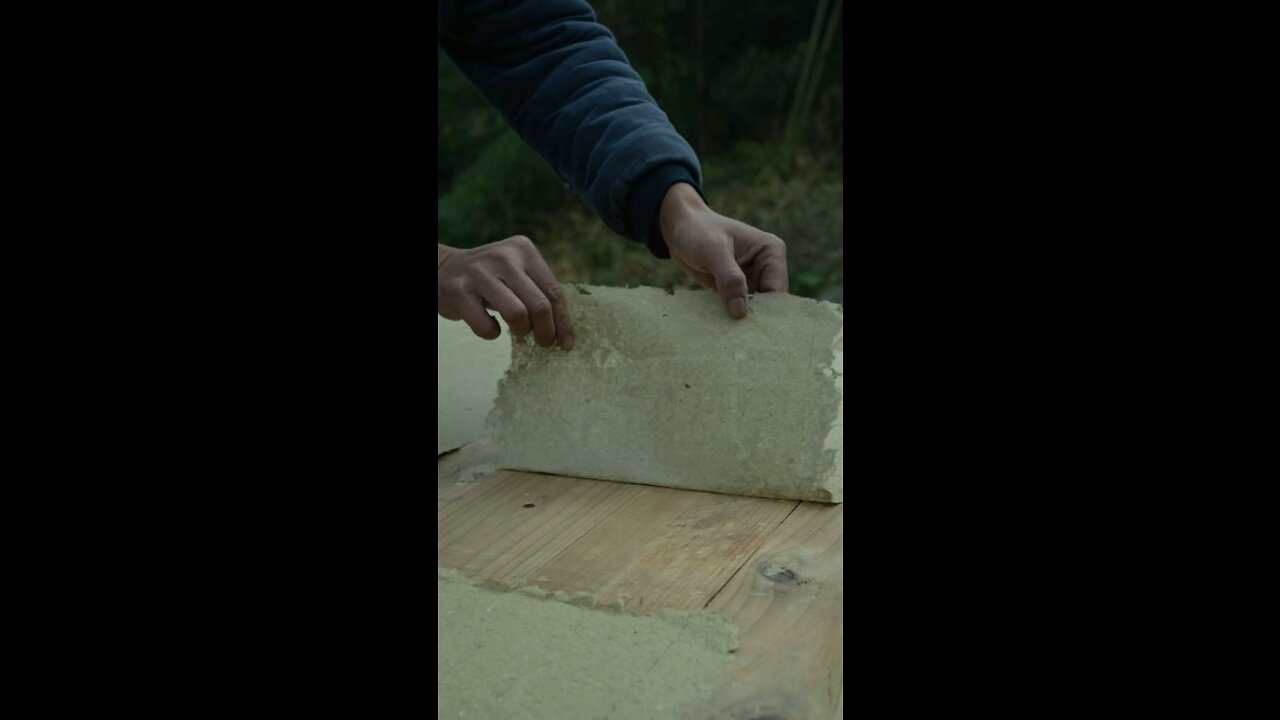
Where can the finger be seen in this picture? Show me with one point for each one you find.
(754, 270)
(774, 277)
(773, 272)
(471, 310)
(731, 284)
(537, 307)
(768, 262)
(499, 297)
(562, 323)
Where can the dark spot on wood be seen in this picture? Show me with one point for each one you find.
(778, 573)
(581, 290)
(768, 717)
(528, 505)
(686, 385)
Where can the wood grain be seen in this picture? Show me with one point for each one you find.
(666, 548)
(487, 532)
(775, 568)
(788, 604)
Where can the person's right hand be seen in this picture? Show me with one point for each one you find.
(508, 276)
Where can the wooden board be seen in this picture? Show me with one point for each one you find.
(788, 603)
(775, 568)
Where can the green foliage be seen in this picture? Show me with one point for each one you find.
(800, 200)
(746, 91)
(465, 124)
(505, 190)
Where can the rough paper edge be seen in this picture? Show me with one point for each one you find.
(700, 623)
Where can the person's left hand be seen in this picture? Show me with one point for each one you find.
(727, 256)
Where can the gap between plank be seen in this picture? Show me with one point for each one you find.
(749, 557)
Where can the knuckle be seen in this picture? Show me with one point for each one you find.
(555, 292)
(517, 318)
(521, 241)
(457, 289)
(540, 307)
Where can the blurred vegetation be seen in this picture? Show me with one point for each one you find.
(756, 86)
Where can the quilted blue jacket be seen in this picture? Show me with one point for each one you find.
(560, 80)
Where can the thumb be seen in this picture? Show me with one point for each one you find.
(731, 284)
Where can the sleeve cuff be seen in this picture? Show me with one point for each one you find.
(646, 199)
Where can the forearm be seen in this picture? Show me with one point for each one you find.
(560, 80)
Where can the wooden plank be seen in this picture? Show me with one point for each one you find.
(774, 568)
(485, 531)
(667, 548)
(652, 547)
(788, 604)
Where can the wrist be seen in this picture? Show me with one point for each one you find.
(680, 202)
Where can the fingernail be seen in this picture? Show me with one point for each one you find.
(566, 342)
(738, 308)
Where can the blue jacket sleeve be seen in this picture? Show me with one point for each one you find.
(560, 80)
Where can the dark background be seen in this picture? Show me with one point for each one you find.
(756, 87)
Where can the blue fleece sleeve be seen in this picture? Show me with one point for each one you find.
(560, 80)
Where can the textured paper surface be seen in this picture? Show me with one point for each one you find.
(467, 373)
(668, 390)
(525, 654)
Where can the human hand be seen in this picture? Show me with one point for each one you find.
(508, 276)
(723, 254)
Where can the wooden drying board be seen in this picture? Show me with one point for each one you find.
(775, 568)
